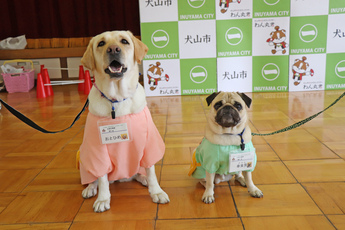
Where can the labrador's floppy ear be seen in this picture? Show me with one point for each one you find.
(210, 98)
(140, 49)
(88, 59)
(246, 99)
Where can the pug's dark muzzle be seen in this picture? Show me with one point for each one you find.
(227, 117)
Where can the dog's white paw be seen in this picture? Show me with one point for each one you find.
(101, 205)
(255, 192)
(141, 179)
(89, 191)
(219, 178)
(207, 198)
(222, 178)
(160, 198)
(241, 180)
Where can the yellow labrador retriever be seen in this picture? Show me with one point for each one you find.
(120, 141)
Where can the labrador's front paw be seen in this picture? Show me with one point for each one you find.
(101, 205)
(141, 179)
(89, 191)
(160, 197)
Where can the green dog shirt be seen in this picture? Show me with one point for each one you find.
(215, 158)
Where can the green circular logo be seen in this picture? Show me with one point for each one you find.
(196, 3)
(233, 36)
(308, 33)
(340, 69)
(160, 38)
(198, 74)
(270, 72)
(271, 2)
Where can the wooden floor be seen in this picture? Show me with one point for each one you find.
(301, 172)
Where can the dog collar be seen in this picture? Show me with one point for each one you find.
(113, 102)
(242, 145)
(242, 141)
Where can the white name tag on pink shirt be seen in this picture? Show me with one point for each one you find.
(242, 161)
(114, 133)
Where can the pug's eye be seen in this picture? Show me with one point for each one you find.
(101, 43)
(218, 105)
(124, 41)
(238, 106)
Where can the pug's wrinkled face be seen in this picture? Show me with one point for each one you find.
(228, 113)
(228, 109)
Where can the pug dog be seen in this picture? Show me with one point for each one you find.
(226, 149)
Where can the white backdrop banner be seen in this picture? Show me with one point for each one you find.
(203, 46)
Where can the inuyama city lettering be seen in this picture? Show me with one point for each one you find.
(336, 86)
(338, 10)
(270, 88)
(307, 50)
(199, 91)
(271, 14)
(196, 16)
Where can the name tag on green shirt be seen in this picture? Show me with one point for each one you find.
(242, 161)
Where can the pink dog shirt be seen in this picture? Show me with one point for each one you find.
(124, 159)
